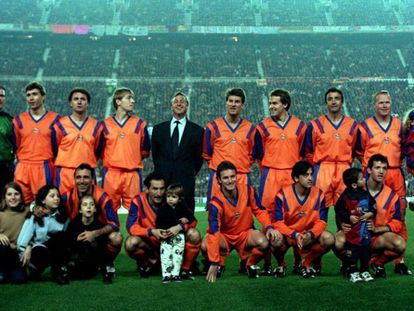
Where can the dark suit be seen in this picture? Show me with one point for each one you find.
(184, 166)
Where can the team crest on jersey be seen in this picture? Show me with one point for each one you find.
(282, 136)
(35, 130)
(233, 140)
(122, 135)
(237, 215)
(387, 140)
(80, 138)
(301, 214)
(337, 136)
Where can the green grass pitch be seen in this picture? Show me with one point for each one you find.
(232, 292)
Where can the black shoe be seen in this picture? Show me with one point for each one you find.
(308, 273)
(61, 276)
(297, 269)
(166, 280)
(252, 271)
(242, 267)
(280, 272)
(107, 278)
(267, 271)
(220, 271)
(206, 266)
(411, 206)
(187, 275)
(176, 279)
(144, 271)
(402, 269)
(3, 278)
(379, 271)
(344, 269)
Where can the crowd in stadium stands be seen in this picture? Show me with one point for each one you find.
(151, 12)
(302, 13)
(70, 60)
(79, 12)
(12, 12)
(15, 60)
(354, 11)
(231, 61)
(219, 13)
(211, 13)
(165, 61)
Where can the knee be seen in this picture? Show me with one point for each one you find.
(327, 239)
(262, 243)
(193, 236)
(131, 243)
(399, 245)
(116, 238)
(340, 242)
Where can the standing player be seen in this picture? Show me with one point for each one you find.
(33, 140)
(182, 162)
(230, 217)
(278, 143)
(229, 138)
(143, 243)
(6, 144)
(301, 216)
(76, 139)
(330, 145)
(387, 243)
(383, 134)
(126, 143)
(106, 214)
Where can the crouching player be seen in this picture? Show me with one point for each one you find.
(143, 243)
(105, 211)
(301, 216)
(387, 243)
(230, 217)
(86, 257)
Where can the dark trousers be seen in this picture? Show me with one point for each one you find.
(353, 253)
(10, 265)
(53, 254)
(86, 258)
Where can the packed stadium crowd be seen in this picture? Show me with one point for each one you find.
(211, 13)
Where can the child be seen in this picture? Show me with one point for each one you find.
(12, 216)
(356, 206)
(41, 241)
(87, 256)
(172, 217)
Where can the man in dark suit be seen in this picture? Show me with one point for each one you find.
(177, 148)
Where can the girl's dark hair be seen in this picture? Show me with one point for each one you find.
(42, 194)
(15, 186)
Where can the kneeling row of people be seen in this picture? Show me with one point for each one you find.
(92, 241)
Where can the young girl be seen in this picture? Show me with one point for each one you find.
(41, 243)
(172, 217)
(12, 216)
(86, 257)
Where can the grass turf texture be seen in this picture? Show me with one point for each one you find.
(330, 291)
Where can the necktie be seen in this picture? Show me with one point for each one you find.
(174, 138)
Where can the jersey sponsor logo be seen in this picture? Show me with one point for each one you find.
(337, 136)
(233, 140)
(35, 130)
(387, 140)
(122, 135)
(282, 136)
(80, 138)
